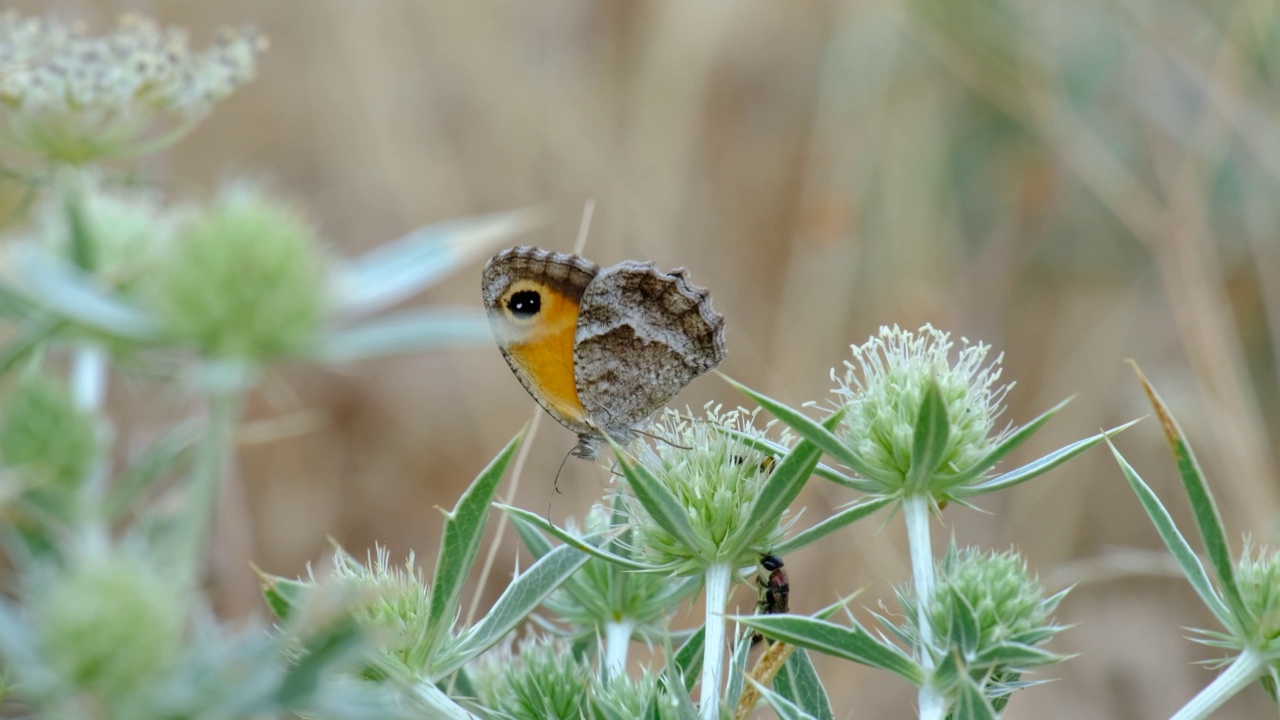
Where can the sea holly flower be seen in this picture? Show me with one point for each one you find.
(989, 617)
(73, 98)
(883, 388)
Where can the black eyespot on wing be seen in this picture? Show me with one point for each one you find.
(525, 304)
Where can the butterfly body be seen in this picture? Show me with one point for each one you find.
(600, 349)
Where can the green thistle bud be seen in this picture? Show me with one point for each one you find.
(602, 594)
(392, 604)
(75, 98)
(49, 442)
(243, 280)
(115, 233)
(989, 615)
(546, 681)
(883, 388)
(716, 480)
(1258, 576)
(108, 624)
(621, 697)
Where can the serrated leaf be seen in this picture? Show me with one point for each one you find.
(688, 659)
(785, 708)
(583, 544)
(809, 429)
(664, 508)
(281, 594)
(972, 704)
(854, 643)
(1038, 467)
(1002, 450)
(66, 291)
(401, 268)
(1203, 507)
(845, 517)
(521, 597)
(929, 439)
(404, 332)
(1177, 544)
(799, 683)
(784, 483)
(774, 449)
(737, 671)
(463, 529)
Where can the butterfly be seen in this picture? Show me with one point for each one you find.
(600, 349)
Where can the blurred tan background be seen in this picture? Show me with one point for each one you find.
(1074, 181)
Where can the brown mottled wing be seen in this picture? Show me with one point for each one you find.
(565, 274)
(642, 336)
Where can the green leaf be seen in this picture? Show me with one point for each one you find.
(583, 544)
(401, 268)
(281, 594)
(928, 439)
(1203, 507)
(841, 519)
(404, 332)
(798, 682)
(66, 291)
(784, 484)
(1176, 543)
(784, 707)
(972, 704)
(853, 643)
(688, 659)
(334, 646)
(964, 631)
(999, 452)
(663, 507)
(1038, 467)
(774, 449)
(809, 429)
(737, 670)
(521, 597)
(463, 529)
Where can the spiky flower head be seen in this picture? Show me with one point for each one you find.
(107, 624)
(716, 479)
(73, 98)
(243, 279)
(989, 616)
(47, 442)
(391, 603)
(1258, 576)
(545, 681)
(602, 595)
(883, 387)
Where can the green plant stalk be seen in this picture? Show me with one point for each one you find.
(438, 704)
(1242, 672)
(205, 478)
(717, 579)
(617, 642)
(915, 510)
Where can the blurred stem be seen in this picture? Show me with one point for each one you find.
(438, 704)
(617, 641)
(915, 509)
(89, 376)
(1238, 675)
(206, 476)
(717, 583)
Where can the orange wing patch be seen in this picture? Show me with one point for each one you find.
(542, 347)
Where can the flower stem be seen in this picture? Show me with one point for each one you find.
(205, 478)
(1242, 671)
(717, 583)
(915, 509)
(617, 641)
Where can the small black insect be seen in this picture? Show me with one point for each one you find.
(775, 590)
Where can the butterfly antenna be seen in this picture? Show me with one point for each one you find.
(659, 438)
(587, 211)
